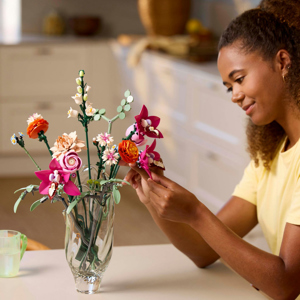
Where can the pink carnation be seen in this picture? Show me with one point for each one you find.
(70, 162)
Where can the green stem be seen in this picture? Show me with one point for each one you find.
(88, 149)
(31, 158)
(79, 182)
(42, 137)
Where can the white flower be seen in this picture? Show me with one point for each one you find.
(87, 88)
(104, 139)
(79, 89)
(78, 80)
(35, 116)
(72, 113)
(90, 111)
(85, 97)
(78, 99)
(110, 157)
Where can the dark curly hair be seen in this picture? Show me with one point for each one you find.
(260, 31)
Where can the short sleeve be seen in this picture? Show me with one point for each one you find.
(247, 188)
(293, 215)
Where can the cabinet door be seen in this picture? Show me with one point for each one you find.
(213, 115)
(40, 70)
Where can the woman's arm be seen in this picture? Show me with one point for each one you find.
(277, 276)
(239, 215)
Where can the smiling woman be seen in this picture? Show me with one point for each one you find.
(259, 62)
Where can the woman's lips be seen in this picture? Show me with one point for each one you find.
(248, 108)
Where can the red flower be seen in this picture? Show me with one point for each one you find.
(128, 151)
(147, 125)
(37, 126)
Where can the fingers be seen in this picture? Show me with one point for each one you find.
(123, 163)
(140, 171)
(164, 181)
(156, 188)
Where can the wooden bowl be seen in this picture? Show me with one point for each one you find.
(85, 25)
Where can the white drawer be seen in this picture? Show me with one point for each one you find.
(214, 173)
(213, 115)
(40, 70)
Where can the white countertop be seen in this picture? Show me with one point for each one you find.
(153, 272)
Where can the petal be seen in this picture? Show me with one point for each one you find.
(44, 187)
(154, 121)
(71, 189)
(152, 147)
(43, 175)
(54, 165)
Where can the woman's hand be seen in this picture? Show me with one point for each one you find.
(170, 200)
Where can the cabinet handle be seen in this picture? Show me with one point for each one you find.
(212, 156)
(43, 106)
(43, 51)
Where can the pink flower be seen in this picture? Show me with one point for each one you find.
(147, 125)
(51, 178)
(137, 138)
(149, 158)
(110, 156)
(70, 162)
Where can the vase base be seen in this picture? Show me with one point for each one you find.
(88, 283)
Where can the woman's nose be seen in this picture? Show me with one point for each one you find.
(237, 97)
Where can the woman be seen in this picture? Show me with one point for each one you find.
(260, 65)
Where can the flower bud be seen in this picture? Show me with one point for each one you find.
(87, 88)
(78, 81)
(85, 97)
(81, 73)
(79, 89)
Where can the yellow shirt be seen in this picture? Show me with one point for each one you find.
(276, 193)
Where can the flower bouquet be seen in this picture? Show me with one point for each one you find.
(89, 192)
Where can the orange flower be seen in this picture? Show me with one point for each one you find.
(37, 126)
(128, 151)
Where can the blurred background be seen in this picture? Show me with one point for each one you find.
(165, 52)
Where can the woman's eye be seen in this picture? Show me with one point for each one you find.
(239, 80)
(229, 90)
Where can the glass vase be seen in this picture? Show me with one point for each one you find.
(89, 239)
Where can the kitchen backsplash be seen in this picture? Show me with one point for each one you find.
(121, 16)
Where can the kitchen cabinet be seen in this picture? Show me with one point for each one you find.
(204, 132)
(40, 78)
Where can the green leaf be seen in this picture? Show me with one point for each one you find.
(127, 93)
(35, 204)
(22, 196)
(30, 188)
(117, 195)
(102, 111)
(122, 115)
(123, 102)
(97, 117)
(127, 107)
(73, 204)
(119, 109)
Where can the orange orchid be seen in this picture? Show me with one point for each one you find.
(36, 124)
(128, 151)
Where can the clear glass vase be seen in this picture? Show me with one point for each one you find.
(89, 239)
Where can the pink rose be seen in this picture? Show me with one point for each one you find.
(70, 162)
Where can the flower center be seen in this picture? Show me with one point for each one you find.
(71, 161)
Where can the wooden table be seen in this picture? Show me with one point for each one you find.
(152, 272)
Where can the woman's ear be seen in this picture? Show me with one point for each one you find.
(283, 61)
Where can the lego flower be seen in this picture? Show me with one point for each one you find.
(77, 98)
(36, 124)
(110, 156)
(72, 113)
(104, 139)
(147, 125)
(78, 80)
(70, 162)
(13, 139)
(90, 111)
(149, 158)
(53, 177)
(65, 143)
(137, 138)
(87, 88)
(128, 151)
